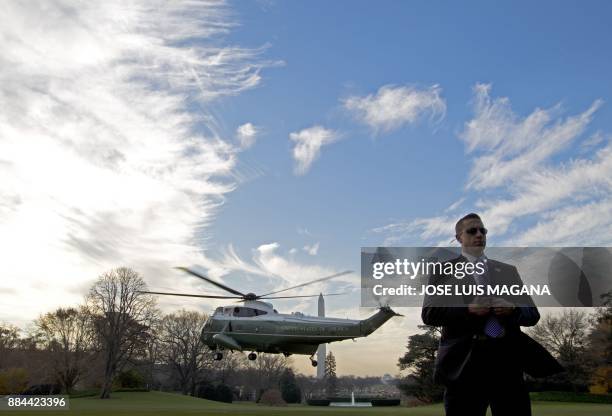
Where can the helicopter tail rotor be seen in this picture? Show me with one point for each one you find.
(371, 324)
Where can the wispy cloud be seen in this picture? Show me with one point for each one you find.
(393, 107)
(312, 249)
(574, 225)
(246, 135)
(308, 144)
(511, 147)
(568, 201)
(389, 109)
(104, 161)
(303, 231)
(593, 142)
(418, 231)
(270, 268)
(453, 207)
(550, 192)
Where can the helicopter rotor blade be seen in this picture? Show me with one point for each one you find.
(308, 283)
(209, 280)
(190, 295)
(305, 296)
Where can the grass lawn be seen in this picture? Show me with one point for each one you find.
(157, 403)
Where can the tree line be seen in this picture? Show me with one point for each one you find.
(118, 338)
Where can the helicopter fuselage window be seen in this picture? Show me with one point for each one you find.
(245, 312)
(218, 311)
(248, 312)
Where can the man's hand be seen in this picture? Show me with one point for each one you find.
(501, 307)
(479, 307)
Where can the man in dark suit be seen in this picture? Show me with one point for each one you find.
(483, 353)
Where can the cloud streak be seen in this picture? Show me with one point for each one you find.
(312, 249)
(308, 144)
(268, 269)
(104, 160)
(511, 147)
(246, 135)
(568, 201)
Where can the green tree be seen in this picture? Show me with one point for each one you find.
(419, 359)
(212, 391)
(224, 393)
(130, 379)
(13, 380)
(331, 379)
(288, 386)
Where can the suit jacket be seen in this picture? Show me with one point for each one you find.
(460, 328)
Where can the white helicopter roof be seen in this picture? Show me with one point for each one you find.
(265, 307)
(249, 309)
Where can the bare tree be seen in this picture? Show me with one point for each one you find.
(565, 335)
(309, 385)
(265, 372)
(151, 356)
(231, 368)
(67, 335)
(122, 316)
(181, 348)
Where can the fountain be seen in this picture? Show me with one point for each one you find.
(353, 403)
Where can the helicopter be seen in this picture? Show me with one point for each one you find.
(257, 327)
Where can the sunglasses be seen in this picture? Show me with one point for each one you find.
(474, 230)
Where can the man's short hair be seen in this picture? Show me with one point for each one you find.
(469, 216)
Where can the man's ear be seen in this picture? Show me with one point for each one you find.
(458, 237)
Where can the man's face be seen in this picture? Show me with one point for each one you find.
(471, 237)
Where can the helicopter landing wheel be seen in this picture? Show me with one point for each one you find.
(252, 356)
(313, 362)
(218, 356)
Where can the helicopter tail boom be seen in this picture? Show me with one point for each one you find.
(371, 324)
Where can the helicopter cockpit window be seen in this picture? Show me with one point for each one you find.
(219, 311)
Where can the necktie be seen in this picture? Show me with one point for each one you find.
(492, 327)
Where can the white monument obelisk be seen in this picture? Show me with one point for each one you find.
(321, 351)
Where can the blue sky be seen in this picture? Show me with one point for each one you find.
(268, 141)
(537, 56)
